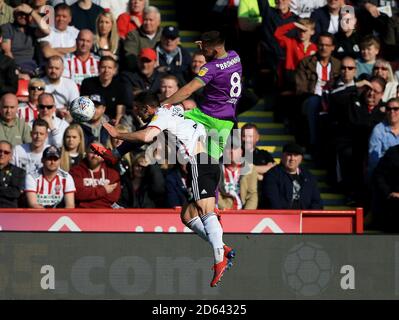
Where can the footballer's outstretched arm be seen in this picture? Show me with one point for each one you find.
(184, 92)
(146, 135)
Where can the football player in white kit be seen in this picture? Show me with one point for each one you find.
(189, 137)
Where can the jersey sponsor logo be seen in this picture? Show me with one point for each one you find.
(204, 191)
(202, 71)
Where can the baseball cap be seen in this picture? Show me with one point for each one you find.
(170, 32)
(97, 99)
(293, 148)
(51, 151)
(148, 53)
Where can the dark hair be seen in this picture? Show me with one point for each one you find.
(395, 99)
(40, 123)
(63, 6)
(213, 38)
(249, 126)
(147, 98)
(380, 80)
(327, 35)
(108, 58)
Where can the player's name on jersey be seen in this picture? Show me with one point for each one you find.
(228, 63)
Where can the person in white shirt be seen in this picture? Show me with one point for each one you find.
(82, 64)
(50, 186)
(62, 37)
(63, 89)
(56, 125)
(28, 156)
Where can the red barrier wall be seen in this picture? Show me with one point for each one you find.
(168, 220)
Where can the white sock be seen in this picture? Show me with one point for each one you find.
(215, 234)
(197, 226)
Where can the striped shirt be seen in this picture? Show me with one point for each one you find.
(28, 112)
(49, 193)
(78, 70)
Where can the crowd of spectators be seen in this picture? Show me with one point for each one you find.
(332, 65)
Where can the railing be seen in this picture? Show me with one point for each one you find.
(168, 220)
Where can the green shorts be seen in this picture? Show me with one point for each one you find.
(218, 131)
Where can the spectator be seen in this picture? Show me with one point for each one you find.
(238, 185)
(353, 120)
(6, 13)
(169, 84)
(314, 76)
(171, 57)
(262, 159)
(147, 78)
(47, 112)
(383, 69)
(8, 72)
(28, 110)
(386, 187)
(347, 38)
(107, 38)
(384, 135)
(12, 129)
(11, 178)
(346, 80)
(177, 194)
(62, 37)
(97, 185)
(115, 6)
(197, 61)
(84, 14)
(289, 185)
(271, 19)
(369, 48)
(296, 48)
(147, 36)
(110, 87)
(148, 185)
(133, 18)
(64, 90)
(82, 63)
(50, 186)
(28, 156)
(327, 17)
(19, 39)
(73, 148)
(93, 130)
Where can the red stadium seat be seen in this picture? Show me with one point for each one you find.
(23, 91)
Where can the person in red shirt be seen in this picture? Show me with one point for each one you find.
(97, 185)
(296, 48)
(133, 19)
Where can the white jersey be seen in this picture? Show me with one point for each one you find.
(24, 158)
(78, 70)
(28, 112)
(170, 118)
(64, 92)
(49, 193)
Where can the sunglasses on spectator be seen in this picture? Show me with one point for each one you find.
(36, 88)
(381, 68)
(6, 152)
(43, 106)
(388, 109)
(347, 67)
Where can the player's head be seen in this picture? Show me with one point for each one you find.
(146, 104)
(211, 43)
